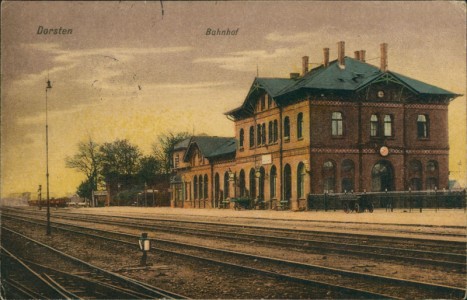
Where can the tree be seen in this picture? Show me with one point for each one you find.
(87, 162)
(119, 158)
(85, 189)
(164, 148)
(149, 167)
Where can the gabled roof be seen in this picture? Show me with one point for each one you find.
(183, 144)
(272, 86)
(212, 146)
(350, 79)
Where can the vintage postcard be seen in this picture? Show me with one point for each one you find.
(233, 149)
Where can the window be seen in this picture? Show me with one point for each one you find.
(276, 131)
(347, 175)
(269, 101)
(226, 185)
(374, 125)
(415, 175)
(252, 183)
(242, 183)
(200, 187)
(432, 175)
(263, 134)
(176, 160)
(263, 102)
(301, 180)
(242, 137)
(258, 134)
(286, 128)
(270, 132)
(195, 187)
(205, 186)
(329, 176)
(300, 126)
(387, 125)
(273, 182)
(252, 136)
(422, 126)
(336, 124)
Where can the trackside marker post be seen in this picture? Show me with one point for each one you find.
(144, 246)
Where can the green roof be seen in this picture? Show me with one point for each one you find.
(213, 146)
(351, 78)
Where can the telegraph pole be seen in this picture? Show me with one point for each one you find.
(49, 86)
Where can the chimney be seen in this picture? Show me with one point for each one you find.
(304, 65)
(357, 55)
(326, 57)
(294, 75)
(362, 55)
(384, 57)
(341, 54)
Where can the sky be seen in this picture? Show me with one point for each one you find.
(127, 71)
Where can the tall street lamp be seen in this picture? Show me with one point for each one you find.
(49, 86)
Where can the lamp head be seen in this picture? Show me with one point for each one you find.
(49, 84)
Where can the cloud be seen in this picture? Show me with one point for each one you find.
(245, 61)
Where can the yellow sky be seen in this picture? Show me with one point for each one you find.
(127, 72)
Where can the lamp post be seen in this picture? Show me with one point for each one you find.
(49, 86)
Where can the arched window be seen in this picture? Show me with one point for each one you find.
(205, 186)
(301, 180)
(262, 173)
(422, 126)
(270, 132)
(374, 125)
(258, 134)
(387, 125)
(382, 176)
(195, 187)
(226, 185)
(273, 182)
(252, 136)
(300, 126)
(415, 175)
(336, 124)
(287, 182)
(217, 188)
(252, 183)
(432, 175)
(242, 137)
(242, 184)
(286, 128)
(200, 187)
(276, 131)
(329, 176)
(263, 134)
(347, 175)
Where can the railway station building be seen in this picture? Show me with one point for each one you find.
(344, 126)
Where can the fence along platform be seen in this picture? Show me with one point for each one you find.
(433, 199)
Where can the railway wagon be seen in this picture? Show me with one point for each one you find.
(60, 202)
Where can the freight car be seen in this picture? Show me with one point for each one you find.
(60, 202)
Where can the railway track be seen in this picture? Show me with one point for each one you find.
(85, 281)
(352, 283)
(367, 247)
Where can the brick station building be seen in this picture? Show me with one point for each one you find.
(344, 126)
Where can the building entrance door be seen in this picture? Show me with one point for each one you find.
(382, 176)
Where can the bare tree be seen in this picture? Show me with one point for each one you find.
(86, 161)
